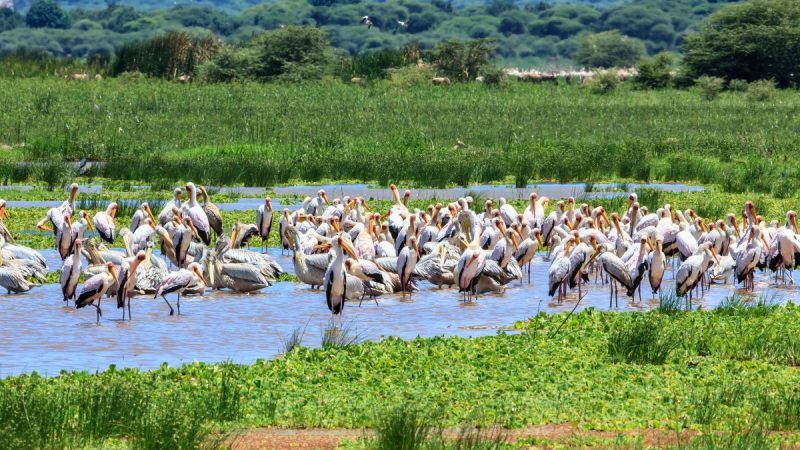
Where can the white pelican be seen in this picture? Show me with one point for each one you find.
(127, 281)
(335, 280)
(238, 277)
(95, 287)
(167, 213)
(264, 221)
(71, 273)
(178, 282)
(104, 222)
(197, 214)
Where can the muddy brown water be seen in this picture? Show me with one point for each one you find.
(39, 333)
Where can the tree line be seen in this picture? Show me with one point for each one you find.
(532, 33)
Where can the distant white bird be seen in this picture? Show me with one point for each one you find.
(366, 21)
(403, 23)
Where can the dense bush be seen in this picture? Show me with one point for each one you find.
(655, 72)
(761, 90)
(709, 87)
(608, 49)
(170, 56)
(462, 60)
(604, 82)
(750, 41)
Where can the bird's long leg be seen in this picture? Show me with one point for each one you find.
(123, 305)
(171, 311)
(610, 296)
(129, 306)
(179, 303)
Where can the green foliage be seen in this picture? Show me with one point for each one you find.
(412, 75)
(604, 82)
(10, 19)
(286, 132)
(462, 61)
(737, 85)
(750, 41)
(230, 63)
(761, 90)
(493, 76)
(291, 53)
(373, 65)
(709, 87)
(170, 56)
(608, 49)
(46, 14)
(655, 72)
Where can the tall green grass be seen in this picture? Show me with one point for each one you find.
(36, 413)
(266, 134)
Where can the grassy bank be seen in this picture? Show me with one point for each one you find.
(267, 134)
(728, 370)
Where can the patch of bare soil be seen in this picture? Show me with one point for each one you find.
(563, 434)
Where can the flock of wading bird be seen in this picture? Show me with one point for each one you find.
(353, 253)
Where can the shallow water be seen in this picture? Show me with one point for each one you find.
(38, 332)
(551, 190)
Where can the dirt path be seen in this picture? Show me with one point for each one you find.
(564, 434)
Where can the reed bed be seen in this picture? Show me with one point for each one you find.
(266, 134)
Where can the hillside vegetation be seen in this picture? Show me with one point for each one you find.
(528, 33)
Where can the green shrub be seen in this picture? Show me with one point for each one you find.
(655, 72)
(737, 86)
(761, 90)
(411, 75)
(494, 76)
(709, 87)
(604, 82)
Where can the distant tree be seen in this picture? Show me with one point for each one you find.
(10, 19)
(497, 7)
(462, 61)
(556, 26)
(608, 49)
(46, 14)
(511, 24)
(291, 53)
(634, 20)
(655, 72)
(749, 41)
